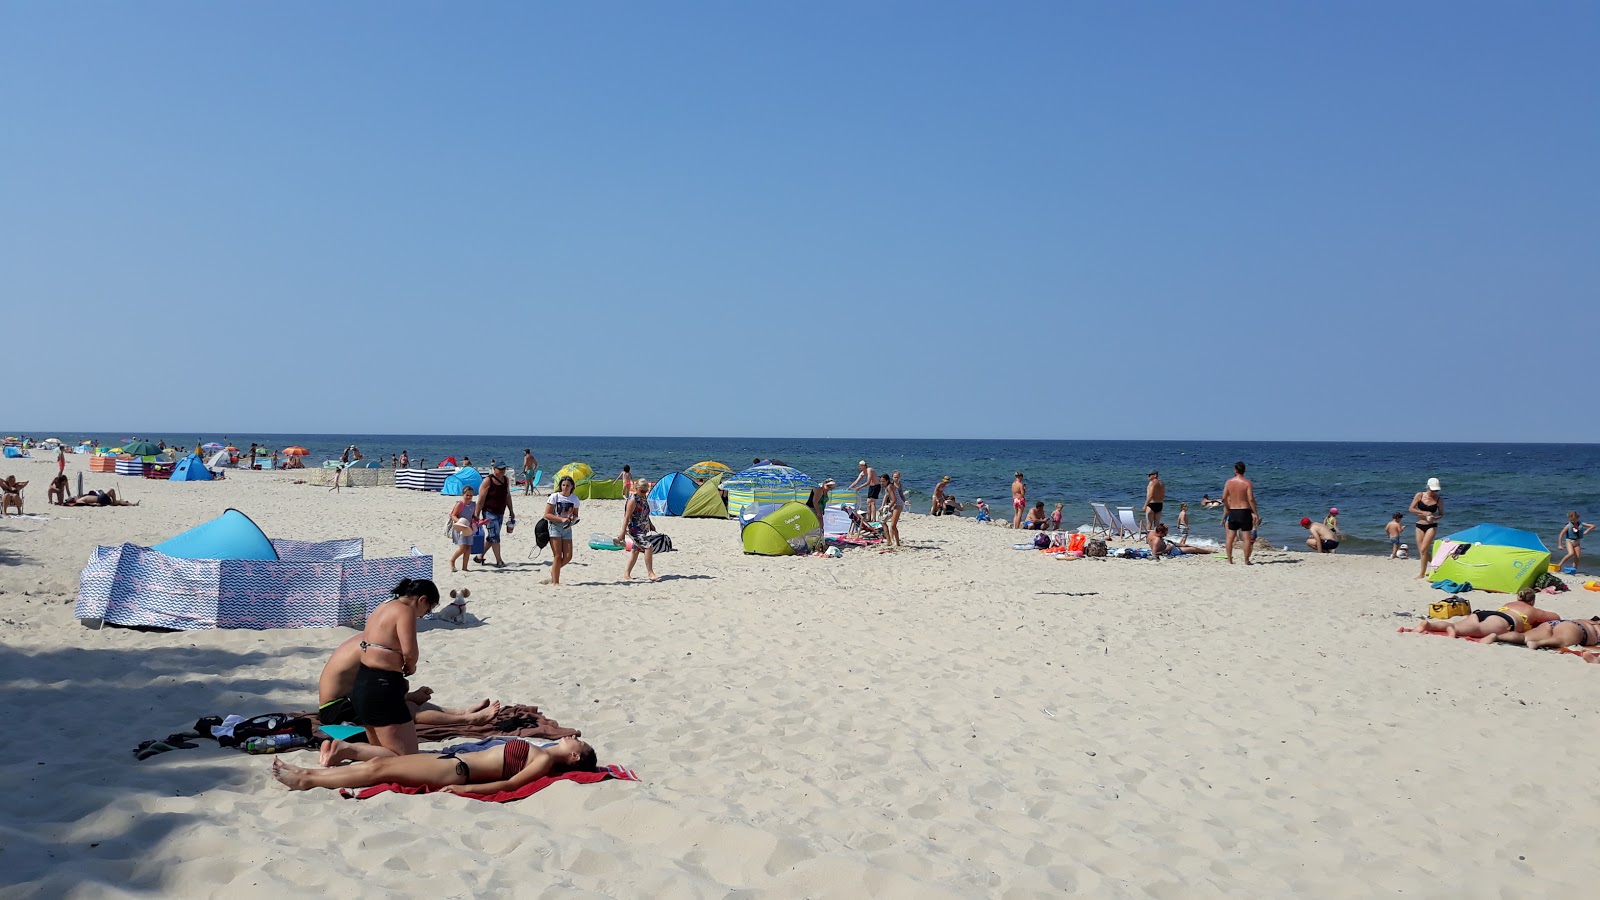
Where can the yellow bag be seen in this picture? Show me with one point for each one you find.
(1449, 609)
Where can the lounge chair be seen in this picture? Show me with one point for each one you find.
(1129, 525)
(1104, 522)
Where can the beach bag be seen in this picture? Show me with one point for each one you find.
(541, 533)
(658, 542)
(1041, 541)
(478, 539)
(267, 725)
(1095, 548)
(1449, 608)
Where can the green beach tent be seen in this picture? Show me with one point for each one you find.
(779, 530)
(598, 489)
(707, 501)
(1499, 559)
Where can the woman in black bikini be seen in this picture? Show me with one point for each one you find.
(504, 768)
(1428, 507)
(388, 655)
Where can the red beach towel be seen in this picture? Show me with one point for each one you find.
(527, 790)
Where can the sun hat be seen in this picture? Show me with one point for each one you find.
(1433, 484)
(1334, 511)
(1305, 523)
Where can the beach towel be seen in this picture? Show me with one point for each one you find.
(527, 790)
(1451, 587)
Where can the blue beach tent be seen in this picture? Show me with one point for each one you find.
(231, 535)
(190, 468)
(671, 494)
(462, 478)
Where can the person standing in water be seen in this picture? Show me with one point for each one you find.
(1428, 507)
(1571, 537)
(1155, 498)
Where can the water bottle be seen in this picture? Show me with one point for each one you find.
(273, 743)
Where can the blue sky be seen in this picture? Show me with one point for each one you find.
(1031, 220)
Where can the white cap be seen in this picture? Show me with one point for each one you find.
(1433, 484)
(862, 463)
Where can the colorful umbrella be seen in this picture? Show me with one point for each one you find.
(213, 445)
(579, 471)
(296, 451)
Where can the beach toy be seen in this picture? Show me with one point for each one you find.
(1569, 570)
(1554, 568)
(1591, 585)
(598, 541)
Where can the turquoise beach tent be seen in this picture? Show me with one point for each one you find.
(1500, 559)
(462, 478)
(672, 494)
(231, 535)
(190, 468)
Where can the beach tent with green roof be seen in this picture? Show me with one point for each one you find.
(598, 489)
(779, 530)
(1498, 559)
(707, 501)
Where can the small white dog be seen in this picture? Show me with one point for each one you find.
(456, 612)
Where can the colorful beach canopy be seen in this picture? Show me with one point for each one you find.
(578, 471)
(704, 469)
(1499, 559)
(766, 485)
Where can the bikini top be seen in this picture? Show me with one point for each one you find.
(1521, 615)
(1427, 507)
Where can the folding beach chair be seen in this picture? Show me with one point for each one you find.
(1129, 525)
(1104, 522)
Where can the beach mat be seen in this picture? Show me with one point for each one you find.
(533, 787)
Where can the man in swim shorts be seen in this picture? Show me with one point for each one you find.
(1019, 500)
(338, 681)
(1155, 497)
(1323, 539)
(867, 477)
(1239, 499)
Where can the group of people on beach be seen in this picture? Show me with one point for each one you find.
(1520, 622)
(365, 683)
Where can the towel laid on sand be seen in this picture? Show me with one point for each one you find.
(529, 789)
(511, 721)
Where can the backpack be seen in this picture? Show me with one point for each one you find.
(541, 533)
(1041, 540)
(266, 725)
(1095, 548)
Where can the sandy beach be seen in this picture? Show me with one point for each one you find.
(957, 719)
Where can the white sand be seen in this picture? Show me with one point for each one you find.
(958, 719)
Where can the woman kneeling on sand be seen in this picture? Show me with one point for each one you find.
(1516, 617)
(504, 768)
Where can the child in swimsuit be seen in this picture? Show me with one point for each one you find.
(1394, 529)
(1571, 537)
(506, 767)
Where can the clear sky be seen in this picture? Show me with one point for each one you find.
(1360, 220)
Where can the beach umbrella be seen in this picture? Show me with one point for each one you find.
(115, 450)
(213, 445)
(578, 471)
(296, 451)
(262, 451)
(700, 471)
(1496, 559)
(141, 448)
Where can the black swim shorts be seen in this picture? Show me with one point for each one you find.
(873, 490)
(1155, 507)
(338, 712)
(1240, 520)
(379, 697)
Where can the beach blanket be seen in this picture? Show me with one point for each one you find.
(511, 721)
(527, 790)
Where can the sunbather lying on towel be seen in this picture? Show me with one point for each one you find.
(1516, 617)
(1555, 634)
(339, 679)
(504, 768)
(98, 498)
(1160, 546)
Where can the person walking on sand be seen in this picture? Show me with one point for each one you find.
(889, 511)
(868, 478)
(495, 507)
(561, 511)
(636, 524)
(1323, 539)
(1571, 537)
(1155, 498)
(463, 521)
(530, 465)
(1394, 529)
(1428, 507)
(1239, 499)
(1019, 501)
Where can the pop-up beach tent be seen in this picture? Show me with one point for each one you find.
(1499, 559)
(232, 535)
(598, 489)
(191, 468)
(779, 530)
(707, 501)
(461, 479)
(671, 495)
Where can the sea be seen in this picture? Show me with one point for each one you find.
(1528, 486)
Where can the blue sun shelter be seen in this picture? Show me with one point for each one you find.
(672, 494)
(191, 468)
(231, 535)
(462, 478)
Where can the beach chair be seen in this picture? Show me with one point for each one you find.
(860, 525)
(1104, 522)
(1130, 526)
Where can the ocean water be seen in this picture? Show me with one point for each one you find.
(1528, 486)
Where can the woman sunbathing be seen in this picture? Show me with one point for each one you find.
(1160, 546)
(1517, 617)
(1555, 634)
(504, 768)
(98, 498)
